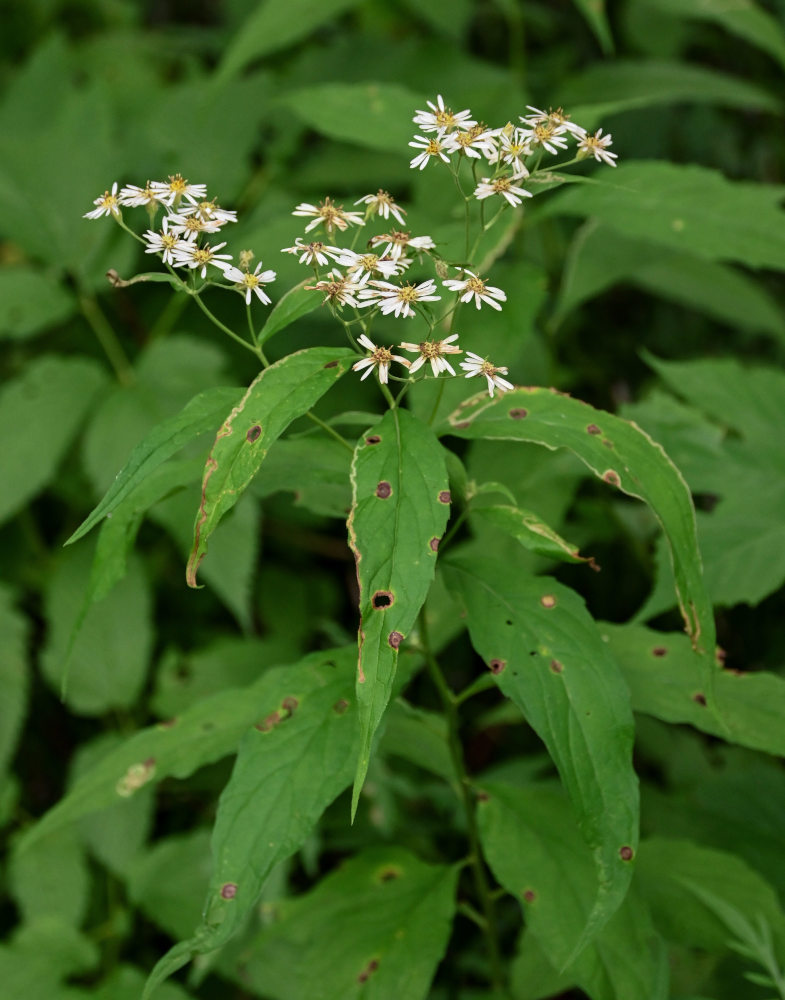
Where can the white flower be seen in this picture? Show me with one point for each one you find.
(503, 186)
(512, 149)
(176, 188)
(398, 242)
(193, 225)
(251, 282)
(339, 290)
(476, 286)
(210, 211)
(134, 195)
(476, 142)
(313, 252)
(440, 117)
(107, 205)
(162, 242)
(329, 215)
(382, 203)
(187, 254)
(546, 134)
(362, 266)
(552, 117)
(439, 146)
(433, 351)
(399, 299)
(596, 145)
(479, 366)
(380, 357)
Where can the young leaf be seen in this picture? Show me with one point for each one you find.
(200, 415)
(291, 306)
(290, 766)
(623, 457)
(382, 919)
(399, 511)
(278, 395)
(547, 657)
(531, 531)
(531, 842)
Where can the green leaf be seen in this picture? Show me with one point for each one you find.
(687, 208)
(326, 490)
(376, 927)
(276, 24)
(31, 301)
(530, 840)
(201, 414)
(419, 737)
(278, 395)
(547, 657)
(295, 303)
(596, 17)
(622, 456)
(40, 413)
(14, 675)
(51, 879)
(665, 680)
(41, 954)
(290, 766)
(373, 115)
(400, 506)
(531, 531)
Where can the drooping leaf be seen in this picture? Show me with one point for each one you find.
(531, 841)
(40, 412)
(294, 304)
(400, 506)
(274, 399)
(621, 455)
(197, 417)
(531, 531)
(547, 657)
(291, 764)
(376, 927)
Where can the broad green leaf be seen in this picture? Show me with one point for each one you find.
(325, 490)
(375, 927)
(124, 982)
(531, 531)
(197, 417)
(606, 88)
(31, 301)
(532, 976)
(40, 413)
(278, 395)
(276, 24)
(51, 879)
(596, 17)
(745, 18)
(601, 257)
(373, 115)
(665, 680)
(111, 652)
(290, 307)
(400, 506)
(14, 675)
(621, 455)
(204, 733)
(418, 736)
(290, 766)
(534, 849)
(40, 955)
(686, 208)
(547, 657)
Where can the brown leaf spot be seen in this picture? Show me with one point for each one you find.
(548, 601)
(626, 853)
(269, 723)
(382, 599)
(167, 724)
(699, 698)
(340, 706)
(529, 895)
(593, 429)
(659, 651)
(368, 971)
(383, 490)
(434, 544)
(373, 439)
(444, 496)
(389, 873)
(557, 666)
(462, 424)
(519, 413)
(607, 442)
(228, 890)
(612, 477)
(289, 704)
(496, 666)
(253, 433)
(395, 639)
(482, 796)
(331, 364)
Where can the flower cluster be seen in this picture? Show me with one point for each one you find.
(189, 219)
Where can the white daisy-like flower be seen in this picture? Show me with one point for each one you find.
(398, 242)
(512, 148)
(338, 290)
(476, 142)
(313, 253)
(558, 118)
(440, 117)
(210, 211)
(399, 299)
(188, 254)
(429, 148)
(107, 205)
(433, 351)
(551, 137)
(597, 146)
(382, 203)
(474, 286)
(480, 366)
(381, 358)
(251, 282)
(133, 195)
(329, 215)
(189, 227)
(501, 185)
(162, 242)
(363, 266)
(176, 188)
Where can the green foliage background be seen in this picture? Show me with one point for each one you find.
(656, 294)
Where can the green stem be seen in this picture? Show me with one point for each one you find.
(222, 326)
(107, 338)
(330, 430)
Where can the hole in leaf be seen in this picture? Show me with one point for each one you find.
(382, 599)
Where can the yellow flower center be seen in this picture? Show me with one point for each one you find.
(177, 184)
(382, 356)
(408, 293)
(476, 285)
